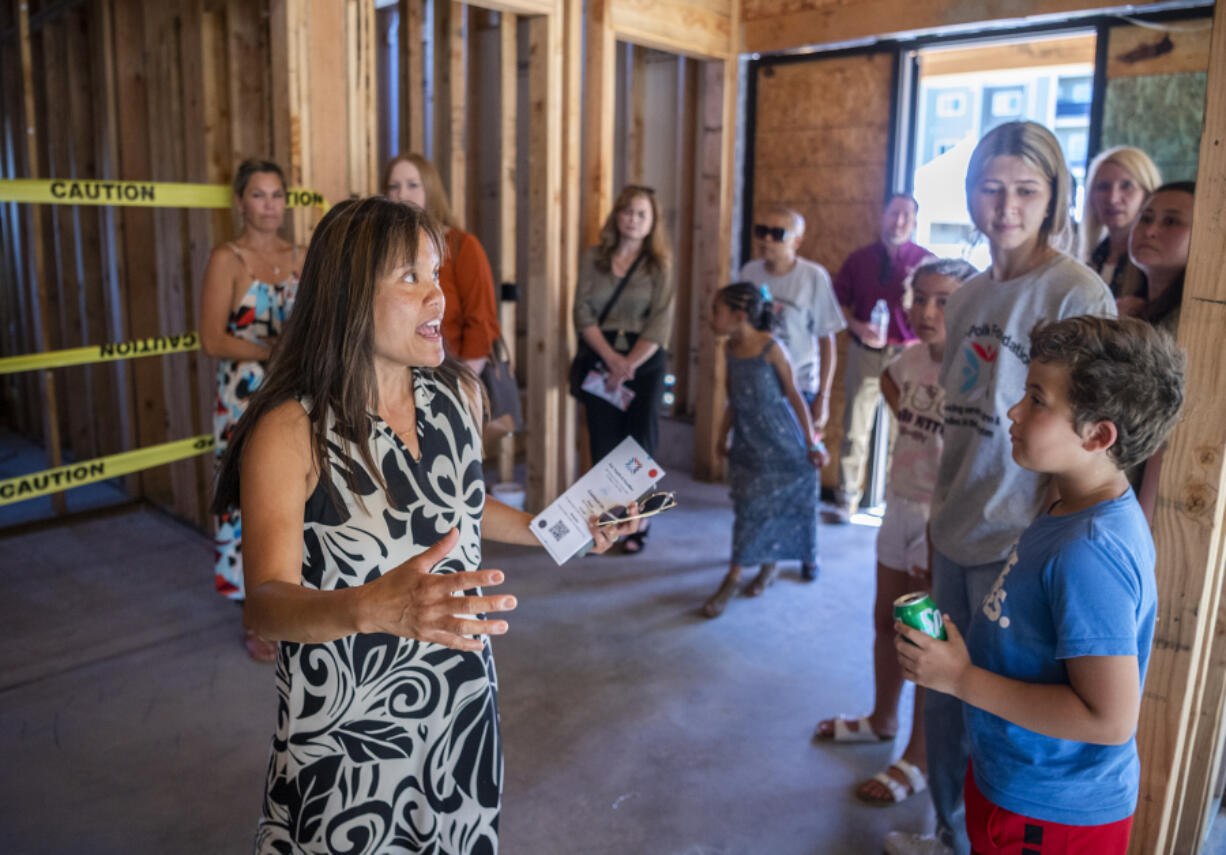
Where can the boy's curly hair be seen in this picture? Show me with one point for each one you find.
(1120, 370)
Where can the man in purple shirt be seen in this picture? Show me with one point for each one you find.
(874, 272)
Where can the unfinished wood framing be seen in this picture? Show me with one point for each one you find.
(508, 153)
(712, 225)
(546, 369)
(37, 249)
(771, 26)
(636, 117)
(360, 97)
(137, 225)
(1182, 711)
(689, 314)
(450, 91)
(412, 71)
(570, 68)
(1189, 50)
(63, 267)
(703, 29)
(599, 110)
(1066, 50)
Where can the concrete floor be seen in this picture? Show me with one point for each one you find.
(131, 721)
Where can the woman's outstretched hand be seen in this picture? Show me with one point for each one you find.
(411, 602)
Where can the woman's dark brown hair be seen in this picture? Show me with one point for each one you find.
(326, 351)
(658, 254)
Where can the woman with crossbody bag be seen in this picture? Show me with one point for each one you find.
(624, 315)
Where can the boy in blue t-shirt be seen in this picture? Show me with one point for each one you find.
(1054, 660)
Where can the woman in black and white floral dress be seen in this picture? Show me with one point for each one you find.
(358, 472)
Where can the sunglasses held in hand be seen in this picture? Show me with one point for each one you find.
(648, 507)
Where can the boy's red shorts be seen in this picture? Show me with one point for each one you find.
(996, 831)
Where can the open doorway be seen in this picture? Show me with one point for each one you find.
(966, 90)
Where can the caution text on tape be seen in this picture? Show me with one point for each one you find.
(100, 469)
(155, 346)
(147, 194)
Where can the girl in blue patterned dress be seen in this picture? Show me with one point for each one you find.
(358, 470)
(249, 288)
(774, 461)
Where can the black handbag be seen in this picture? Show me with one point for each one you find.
(586, 359)
(501, 386)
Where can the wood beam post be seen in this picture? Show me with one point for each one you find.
(1181, 711)
(599, 104)
(546, 348)
(359, 97)
(714, 224)
(412, 71)
(571, 69)
(51, 417)
(508, 194)
(449, 101)
(636, 119)
(688, 314)
(138, 237)
(289, 48)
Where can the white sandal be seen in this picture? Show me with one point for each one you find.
(842, 733)
(899, 792)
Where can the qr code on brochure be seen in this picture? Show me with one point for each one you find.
(559, 530)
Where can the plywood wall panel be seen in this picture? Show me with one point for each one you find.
(821, 147)
(829, 145)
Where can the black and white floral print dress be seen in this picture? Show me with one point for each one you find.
(383, 744)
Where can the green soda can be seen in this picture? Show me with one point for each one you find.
(917, 610)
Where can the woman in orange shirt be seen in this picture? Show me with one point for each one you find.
(470, 317)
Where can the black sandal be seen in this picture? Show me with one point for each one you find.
(633, 544)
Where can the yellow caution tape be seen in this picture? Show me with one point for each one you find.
(155, 346)
(144, 194)
(100, 469)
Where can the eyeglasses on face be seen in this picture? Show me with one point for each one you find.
(648, 507)
(776, 233)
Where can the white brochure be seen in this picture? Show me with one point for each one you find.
(623, 475)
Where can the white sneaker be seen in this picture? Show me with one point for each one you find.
(906, 843)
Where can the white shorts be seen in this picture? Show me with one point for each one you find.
(902, 540)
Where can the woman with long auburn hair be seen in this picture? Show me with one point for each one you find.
(624, 313)
(358, 471)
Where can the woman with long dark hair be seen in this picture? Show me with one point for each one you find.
(624, 313)
(358, 470)
(249, 287)
(1159, 247)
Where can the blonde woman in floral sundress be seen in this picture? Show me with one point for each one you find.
(249, 287)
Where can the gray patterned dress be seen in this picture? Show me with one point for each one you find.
(774, 486)
(383, 744)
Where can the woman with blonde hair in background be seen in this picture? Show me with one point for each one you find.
(1118, 182)
(470, 320)
(249, 287)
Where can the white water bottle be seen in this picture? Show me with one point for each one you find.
(879, 320)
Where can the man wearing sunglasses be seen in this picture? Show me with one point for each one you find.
(874, 272)
(806, 313)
